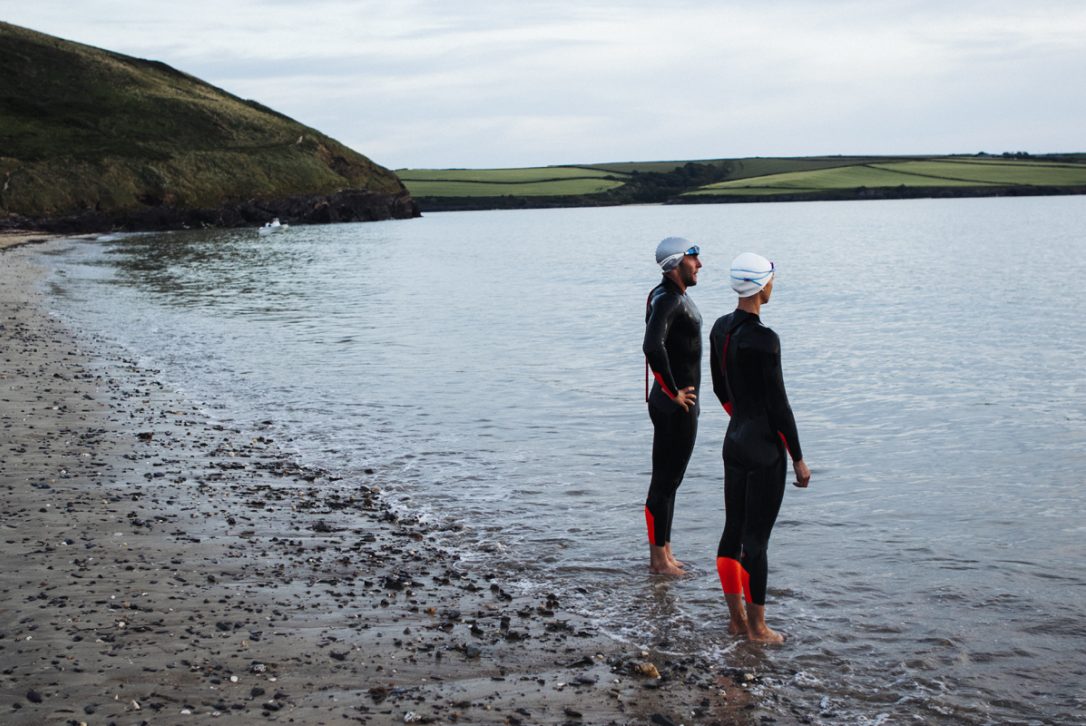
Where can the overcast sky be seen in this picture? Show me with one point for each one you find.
(466, 83)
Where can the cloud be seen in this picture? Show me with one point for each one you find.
(427, 83)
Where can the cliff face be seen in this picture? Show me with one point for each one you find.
(93, 140)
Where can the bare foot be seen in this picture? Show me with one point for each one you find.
(674, 562)
(765, 634)
(660, 563)
(671, 558)
(757, 630)
(737, 627)
(667, 568)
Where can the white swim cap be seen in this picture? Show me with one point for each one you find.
(670, 252)
(750, 274)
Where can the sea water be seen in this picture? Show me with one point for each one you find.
(488, 367)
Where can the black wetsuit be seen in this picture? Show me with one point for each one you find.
(746, 363)
(673, 350)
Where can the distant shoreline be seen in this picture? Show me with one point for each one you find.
(465, 204)
(754, 179)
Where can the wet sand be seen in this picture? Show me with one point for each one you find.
(159, 567)
(16, 237)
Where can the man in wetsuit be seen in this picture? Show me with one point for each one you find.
(673, 351)
(745, 357)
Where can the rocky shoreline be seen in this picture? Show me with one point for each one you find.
(351, 205)
(159, 566)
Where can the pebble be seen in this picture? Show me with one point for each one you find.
(214, 555)
(648, 669)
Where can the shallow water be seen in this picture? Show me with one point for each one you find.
(488, 366)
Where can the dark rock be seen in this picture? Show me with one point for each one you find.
(351, 205)
(397, 582)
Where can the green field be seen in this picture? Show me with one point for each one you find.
(544, 181)
(825, 177)
(503, 176)
(555, 187)
(628, 167)
(1001, 172)
(974, 172)
(741, 168)
(761, 166)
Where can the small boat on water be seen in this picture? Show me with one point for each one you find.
(273, 226)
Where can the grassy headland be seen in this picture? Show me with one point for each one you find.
(748, 179)
(93, 139)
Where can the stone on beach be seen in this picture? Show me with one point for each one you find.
(157, 561)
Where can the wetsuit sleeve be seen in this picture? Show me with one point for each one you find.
(662, 312)
(780, 412)
(717, 360)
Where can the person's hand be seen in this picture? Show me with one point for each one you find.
(686, 398)
(803, 474)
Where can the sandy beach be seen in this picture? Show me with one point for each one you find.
(10, 238)
(159, 567)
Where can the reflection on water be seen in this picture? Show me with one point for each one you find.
(489, 366)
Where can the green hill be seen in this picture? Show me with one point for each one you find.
(930, 174)
(559, 186)
(748, 179)
(94, 139)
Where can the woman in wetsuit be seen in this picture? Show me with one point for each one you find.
(745, 357)
(672, 350)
